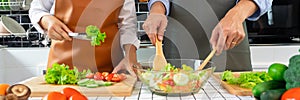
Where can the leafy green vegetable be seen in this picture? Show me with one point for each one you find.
(60, 74)
(169, 68)
(187, 68)
(81, 75)
(292, 74)
(94, 33)
(246, 80)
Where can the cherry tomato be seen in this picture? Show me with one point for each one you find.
(169, 82)
(98, 76)
(109, 77)
(291, 94)
(105, 74)
(116, 78)
(90, 75)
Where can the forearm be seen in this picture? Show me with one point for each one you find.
(130, 52)
(158, 7)
(242, 10)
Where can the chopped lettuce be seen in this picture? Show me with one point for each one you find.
(60, 74)
(246, 80)
(187, 68)
(96, 36)
(169, 68)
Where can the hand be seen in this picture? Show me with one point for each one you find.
(125, 65)
(57, 30)
(155, 26)
(227, 34)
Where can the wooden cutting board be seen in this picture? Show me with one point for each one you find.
(39, 88)
(233, 89)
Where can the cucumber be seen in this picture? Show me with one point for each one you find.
(268, 85)
(272, 94)
(83, 81)
(92, 85)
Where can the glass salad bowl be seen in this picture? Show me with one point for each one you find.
(179, 76)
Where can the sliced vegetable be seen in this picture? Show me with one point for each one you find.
(181, 79)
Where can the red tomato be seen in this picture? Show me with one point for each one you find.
(116, 78)
(109, 77)
(98, 76)
(168, 82)
(291, 94)
(70, 91)
(105, 74)
(90, 75)
(78, 97)
(55, 96)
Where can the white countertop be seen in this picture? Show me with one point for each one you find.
(212, 90)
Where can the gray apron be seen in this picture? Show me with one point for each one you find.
(189, 29)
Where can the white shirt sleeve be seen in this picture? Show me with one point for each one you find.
(38, 9)
(128, 24)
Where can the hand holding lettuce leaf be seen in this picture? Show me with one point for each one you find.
(96, 36)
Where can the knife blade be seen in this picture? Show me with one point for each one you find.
(81, 36)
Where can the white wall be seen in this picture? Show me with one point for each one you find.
(263, 56)
(1, 66)
(23, 63)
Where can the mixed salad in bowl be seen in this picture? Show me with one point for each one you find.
(178, 76)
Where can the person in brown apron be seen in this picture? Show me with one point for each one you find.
(114, 17)
(196, 25)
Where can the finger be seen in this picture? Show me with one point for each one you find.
(55, 36)
(116, 69)
(150, 35)
(240, 38)
(231, 41)
(130, 70)
(161, 29)
(65, 33)
(152, 38)
(214, 37)
(221, 43)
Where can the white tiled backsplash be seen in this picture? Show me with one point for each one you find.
(17, 64)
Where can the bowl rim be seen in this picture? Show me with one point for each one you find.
(139, 65)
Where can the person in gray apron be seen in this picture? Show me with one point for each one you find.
(196, 26)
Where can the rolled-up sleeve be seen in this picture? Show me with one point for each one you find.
(263, 7)
(128, 24)
(165, 2)
(38, 9)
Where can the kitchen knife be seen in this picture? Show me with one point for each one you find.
(81, 36)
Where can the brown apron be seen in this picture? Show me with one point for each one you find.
(77, 14)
